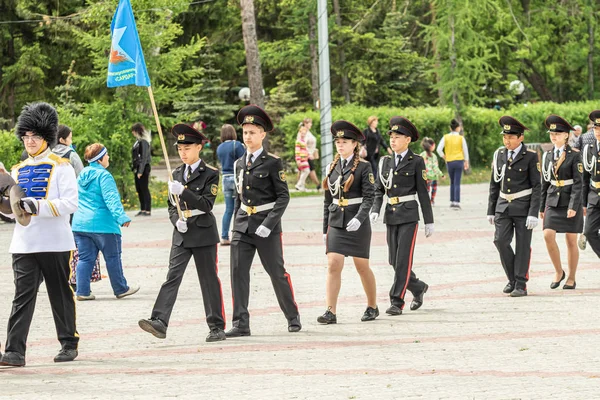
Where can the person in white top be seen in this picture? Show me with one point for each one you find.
(50, 187)
(313, 153)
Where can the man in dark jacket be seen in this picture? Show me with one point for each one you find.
(195, 234)
(514, 202)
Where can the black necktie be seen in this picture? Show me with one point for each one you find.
(510, 156)
(557, 154)
(188, 173)
(344, 164)
(249, 163)
(398, 159)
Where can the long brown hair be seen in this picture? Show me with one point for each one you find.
(350, 181)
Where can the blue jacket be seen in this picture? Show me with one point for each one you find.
(100, 209)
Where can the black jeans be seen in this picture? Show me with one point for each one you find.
(141, 187)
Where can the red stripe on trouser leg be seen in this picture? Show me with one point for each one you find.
(221, 290)
(528, 267)
(410, 262)
(287, 276)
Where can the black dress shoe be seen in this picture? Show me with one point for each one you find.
(418, 299)
(154, 326)
(518, 293)
(554, 285)
(508, 288)
(294, 325)
(394, 310)
(370, 314)
(216, 335)
(237, 332)
(13, 359)
(327, 318)
(565, 286)
(66, 355)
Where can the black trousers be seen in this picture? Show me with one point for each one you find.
(205, 258)
(142, 189)
(515, 263)
(401, 241)
(270, 251)
(592, 224)
(29, 270)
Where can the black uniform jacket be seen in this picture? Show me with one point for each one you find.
(569, 167)
(264, 182)
(522, 174)
(591, 180)
(408, 178)
(338, 216)
(199, 194)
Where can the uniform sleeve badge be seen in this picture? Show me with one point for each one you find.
(214, 189)
(371, 179)
(282, 176)
(580, 168)
(424, 174)
(538, 167)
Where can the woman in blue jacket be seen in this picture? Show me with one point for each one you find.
(97, 224)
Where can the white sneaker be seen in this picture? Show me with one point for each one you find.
(132, 290)
(84, 298)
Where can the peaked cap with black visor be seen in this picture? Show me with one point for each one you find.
(595, 117)
(185, 134)
(345, 130)
(403, 126)
(511, 126)
(554, 123)
(253, 114)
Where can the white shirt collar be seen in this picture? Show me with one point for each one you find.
(403, 154)
(255, 154)
(560, 149)
(194, 166)
(517, 150)
(349, 159)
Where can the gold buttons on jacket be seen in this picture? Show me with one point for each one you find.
(247, 187)
(393, 208)
(508, 179)
(509, 167)
(247, 172)
(508, 190)
(396, 173)
(249, 201)
(395, 186)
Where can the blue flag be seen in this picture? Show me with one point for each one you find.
(126, 65)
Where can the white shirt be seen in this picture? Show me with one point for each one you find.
(193, 167)
(560, 151)
(311, 144)
(440, 146)
(402, 155)
(49, 230)
(254, 155)
(515, 151)
(349, 159)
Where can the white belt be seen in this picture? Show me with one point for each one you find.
(562, 183)
(347, 202)
(191, 213)
(401, 199)
(255, 209)
(518, 195)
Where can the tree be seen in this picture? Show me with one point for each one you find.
(255, 80)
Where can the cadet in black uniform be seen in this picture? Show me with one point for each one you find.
(591, 185)
(402, 177)
(346, 227)
(560, 205)
(514, 203)
(262, 197)
(195, 234)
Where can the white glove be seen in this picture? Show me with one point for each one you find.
(29, 204)
(353, 225)
(428, 230)
(325, 239)
(531, 222)
(263, 231)
(373, 217)
(490, 219)
(181, 226)
(175, 187)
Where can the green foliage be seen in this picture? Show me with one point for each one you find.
(480, 124)
(10, 149)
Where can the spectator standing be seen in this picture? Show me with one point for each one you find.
(228, 152)
(373, 142)
(575, 135)
(432, 167)
(97, 224)
(457, 160)
(142, 158)
(313, 152)
(301, 156)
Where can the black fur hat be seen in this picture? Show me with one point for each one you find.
(40, 118)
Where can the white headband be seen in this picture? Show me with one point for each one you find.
(99, 156)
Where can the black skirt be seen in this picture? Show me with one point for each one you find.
(555, 218)
(350, 244)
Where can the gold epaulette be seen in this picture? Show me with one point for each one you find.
(273, 155)
(211, 167)
(533, 151)
(58, 159)
(363, 160)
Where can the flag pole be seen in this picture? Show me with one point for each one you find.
(164, 147)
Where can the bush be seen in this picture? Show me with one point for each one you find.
(480, 124)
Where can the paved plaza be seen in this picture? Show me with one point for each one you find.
(468, 341)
